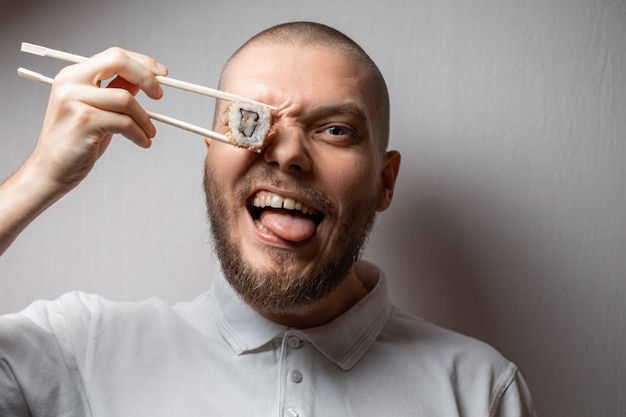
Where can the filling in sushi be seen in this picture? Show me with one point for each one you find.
(249, 124)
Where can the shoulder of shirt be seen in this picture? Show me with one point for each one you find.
(424, 337)
(79, 306)
(82, 300)
(432, 349)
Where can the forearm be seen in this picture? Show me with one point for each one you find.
(23, 197)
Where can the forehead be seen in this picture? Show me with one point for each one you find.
(294, 72)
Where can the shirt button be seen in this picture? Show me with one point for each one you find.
(291, 412)
(294, 342)
(296, 376)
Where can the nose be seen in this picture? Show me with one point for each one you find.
(288, 150)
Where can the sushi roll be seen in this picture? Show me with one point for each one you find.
(249, 124)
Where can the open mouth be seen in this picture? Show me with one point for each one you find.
(284, 217)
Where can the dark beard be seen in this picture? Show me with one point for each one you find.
(279, 292)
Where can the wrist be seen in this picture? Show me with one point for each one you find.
(31, 191)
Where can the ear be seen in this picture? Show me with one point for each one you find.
(388, 177)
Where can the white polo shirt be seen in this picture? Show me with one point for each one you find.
(83, 356)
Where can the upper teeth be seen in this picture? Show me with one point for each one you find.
(267, 199)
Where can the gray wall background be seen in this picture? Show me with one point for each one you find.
(509, 223)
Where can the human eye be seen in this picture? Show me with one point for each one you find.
(337, 134)
(337, 131)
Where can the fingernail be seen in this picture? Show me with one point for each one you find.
(150, 130)
(161, 68)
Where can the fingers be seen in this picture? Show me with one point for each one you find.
(81, 117)
(137, 69)
(97, 112)
(122, 114)
(133, 72)
(119, 82)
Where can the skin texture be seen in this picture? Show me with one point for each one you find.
(325, 152)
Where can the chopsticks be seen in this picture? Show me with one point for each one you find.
(171, 82)
(35, 76)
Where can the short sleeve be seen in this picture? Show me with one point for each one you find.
(515, 400)
(38, 372)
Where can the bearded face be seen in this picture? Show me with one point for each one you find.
(285, 288)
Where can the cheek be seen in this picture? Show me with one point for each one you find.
(350, 178)
(227, 162)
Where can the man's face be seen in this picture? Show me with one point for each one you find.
(319, 179)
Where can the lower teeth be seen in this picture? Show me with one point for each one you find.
(261, 227)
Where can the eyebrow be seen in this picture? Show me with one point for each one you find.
(342, 108)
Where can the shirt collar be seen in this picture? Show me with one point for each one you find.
(243, 328)
(343, 341)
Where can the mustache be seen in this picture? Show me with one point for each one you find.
(252, 180)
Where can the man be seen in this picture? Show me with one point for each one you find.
(297, 325)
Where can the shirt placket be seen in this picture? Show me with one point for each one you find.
(296, 397)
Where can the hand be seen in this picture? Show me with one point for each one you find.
(80, 121)
(82, 117)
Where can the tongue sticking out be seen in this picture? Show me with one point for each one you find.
(292, 227)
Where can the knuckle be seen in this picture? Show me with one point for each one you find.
(66, 74)
(115, 50)
(127, 124)
(85, 115)
(116, 54)
(62, 92)
(64, 95)
(124, 97)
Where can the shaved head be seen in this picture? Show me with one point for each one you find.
(309, 34)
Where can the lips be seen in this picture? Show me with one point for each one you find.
(284, 217)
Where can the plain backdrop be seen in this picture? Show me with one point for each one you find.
(509, 222)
